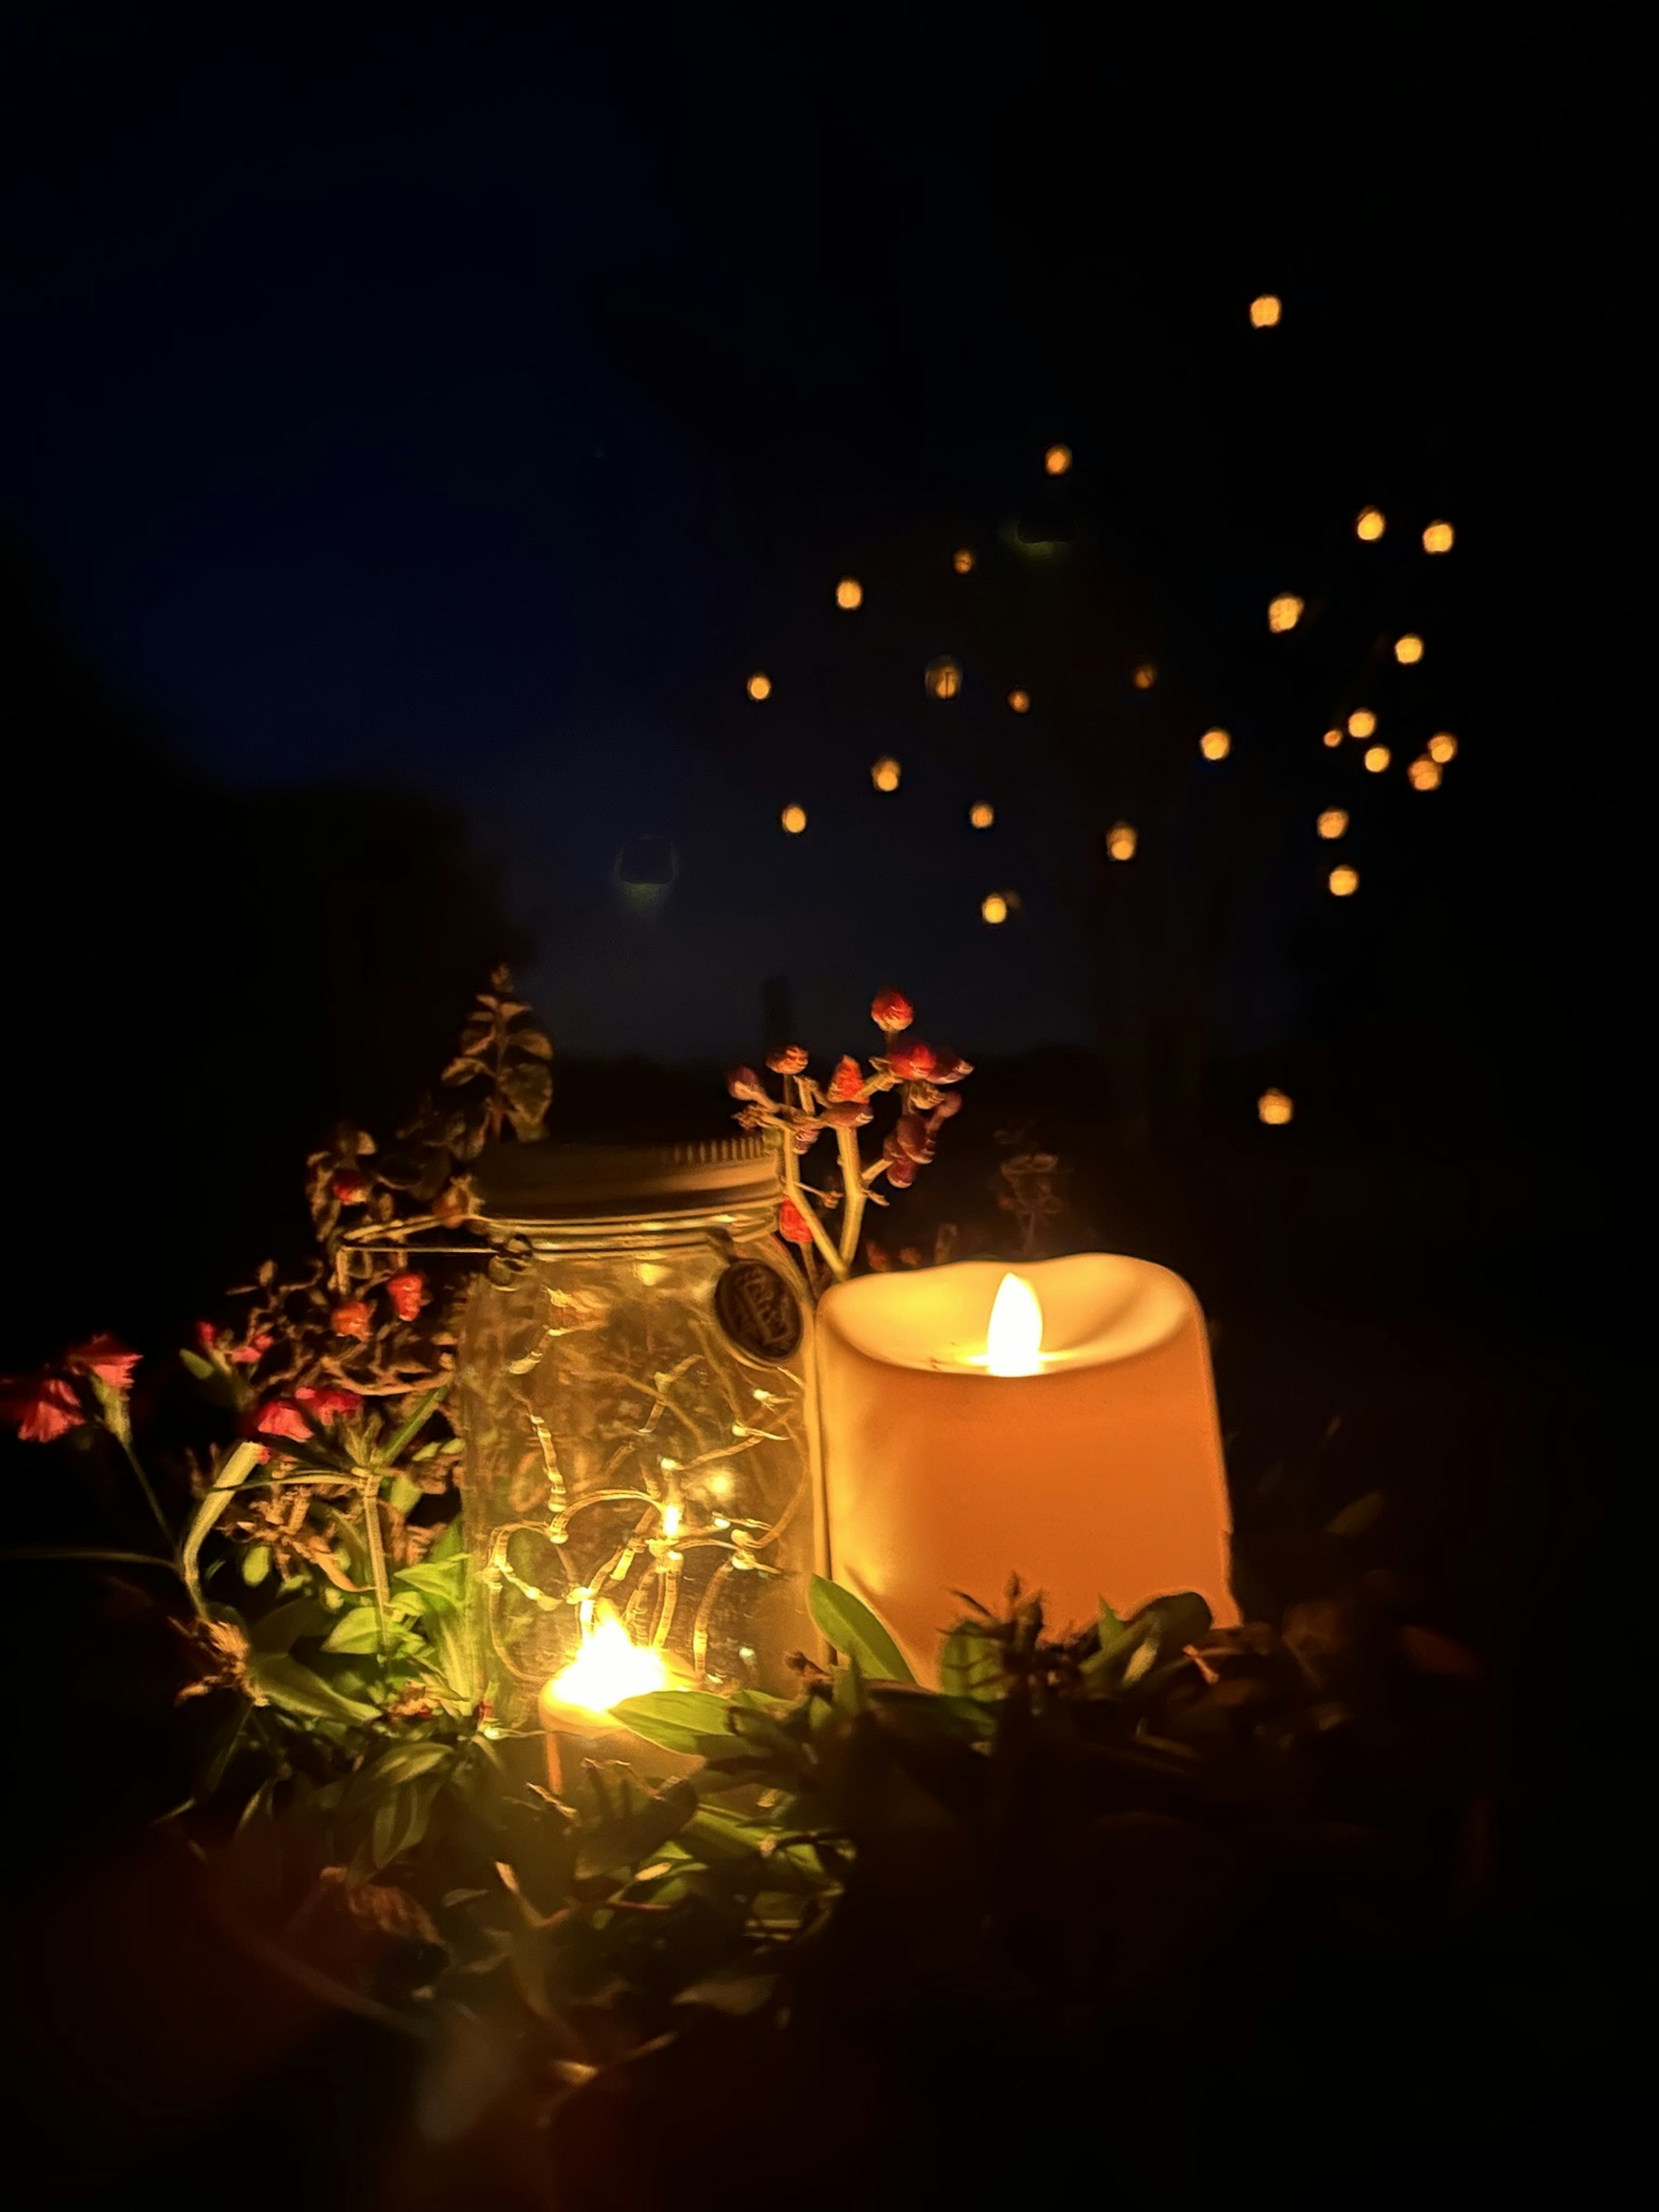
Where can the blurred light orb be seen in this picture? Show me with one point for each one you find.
(884, 773)
(1144, 675)
(1333, 738)
(793, 819)
(1439, 537)
(1362, 723)
(1344, 882)
(1265, 312)
(1369, 523)
(1408, 650)
(1215, 744)
(962, 560)
(981, 814)
(994, 908)
(1057, 461)
(943, 679)
(1442, 747)
(1424, 775)
(1332, 823)
(1377, 758)
(849, 593)
(1121, 841)
(759, 686)
(1020, 701)
(1275, 1108)
(1284, 613)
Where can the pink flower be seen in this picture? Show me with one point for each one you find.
(914, 1062)
(352, 1319)
(892, 1010)
(407, 1293)
(790, 1059)
(793, 1223)
(250, 1355)
(43, 1407)
(847, 1081)
(207, 1336)
(283, 1417)
(106, 1357)
(351, 1187)
(325, 1402)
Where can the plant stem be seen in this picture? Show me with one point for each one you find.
(792, 1183)
(852, 1177)
(370, 1480)
(150, 1499)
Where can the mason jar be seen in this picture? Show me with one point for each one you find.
(632, 1385)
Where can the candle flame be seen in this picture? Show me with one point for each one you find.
(1014, 1342)
(609, 1668)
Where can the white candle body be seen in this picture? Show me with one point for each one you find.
(1101, 1476)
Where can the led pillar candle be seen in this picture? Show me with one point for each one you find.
(1056, 1420)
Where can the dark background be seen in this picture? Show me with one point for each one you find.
(416, 429)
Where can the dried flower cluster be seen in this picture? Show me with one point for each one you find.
(840, 1106)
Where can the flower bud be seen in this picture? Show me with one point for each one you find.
(901, 1172)
(847, 1081)
(890, 1011)
(914, 1142)
(743, 1083)
(948, 1103)
(792, 1223)
(789, 1059)
(947, 1068)
(351, 1187)
(407, 1293)
(352, 1319)
(913, 1062)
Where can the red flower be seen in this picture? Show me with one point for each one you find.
(407, 1293)
(892, 1010)
(901, 1172)
(743, 1083)
(43, 1407)
(850, 1114)
(790, 1059)
(352, 1319)
(914, 1062)
(847, 1081)
(283, 1416)
(206, 1336)
(793, 1223)
(106, 1357)
(250, 1355)
(351, 1187)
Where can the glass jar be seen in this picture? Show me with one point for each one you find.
(633, 1402)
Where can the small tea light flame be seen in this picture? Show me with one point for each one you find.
(1013, 1340)
(609, 1668)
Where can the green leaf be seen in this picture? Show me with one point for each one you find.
(400, 1821)
(967, 1720)
(193, 1363)
(1108, 1627)
(448, 1544)
(404, 1494)
(634, 1835)
(852, 1628)
(457, 1651)
(677, 1720)
(971, 1663)
(357, 1630)
(411, 1427)
(403, 1763)
(1357, 1517)
(228, 1476)
(255, 1565)
(439, 1584)
(295, 1689)
(280, 1629)
(849, 1695)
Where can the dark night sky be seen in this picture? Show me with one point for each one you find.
(465, 406)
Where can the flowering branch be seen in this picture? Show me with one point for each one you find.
(807, 1109)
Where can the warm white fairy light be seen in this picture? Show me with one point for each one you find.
(1344, 882)
(1438, 538)
(1057, 461)
(1362, 723)
(1275, 1108)
(1369, 523)
(981, 814)
(793, 819)
(759, 685)
(1266, 311)
(1442, 747)
(994, 908)
(1332, 823)
(1424, 775)
(1121, 841)
(849, 593)
(1408, 649)
(886, 774)
(1020, 701)
(1215, 744)
(1284, 613)
(1377, 758)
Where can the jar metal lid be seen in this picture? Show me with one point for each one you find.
(549, 1182)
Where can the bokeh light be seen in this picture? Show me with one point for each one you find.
(793, 819)
(994, 907)
(884, 773)
(1284, 613)
(943, 679)
(1362, 723)
(981, 814)
(1424, 775)
(1121, 841)
(1332, 822)
(1057, 461)
(962, 560)
(1275, 1108)
(1439, 537)
(759, 686)
(1265, 311)
(1408, 650)
(1377, 758)
(1344, 882)
(1369, 523)
(849, 593)
(1020, 701)
(1333, 738)
(1215, 744)
(1442, 747)
(1144, 675)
